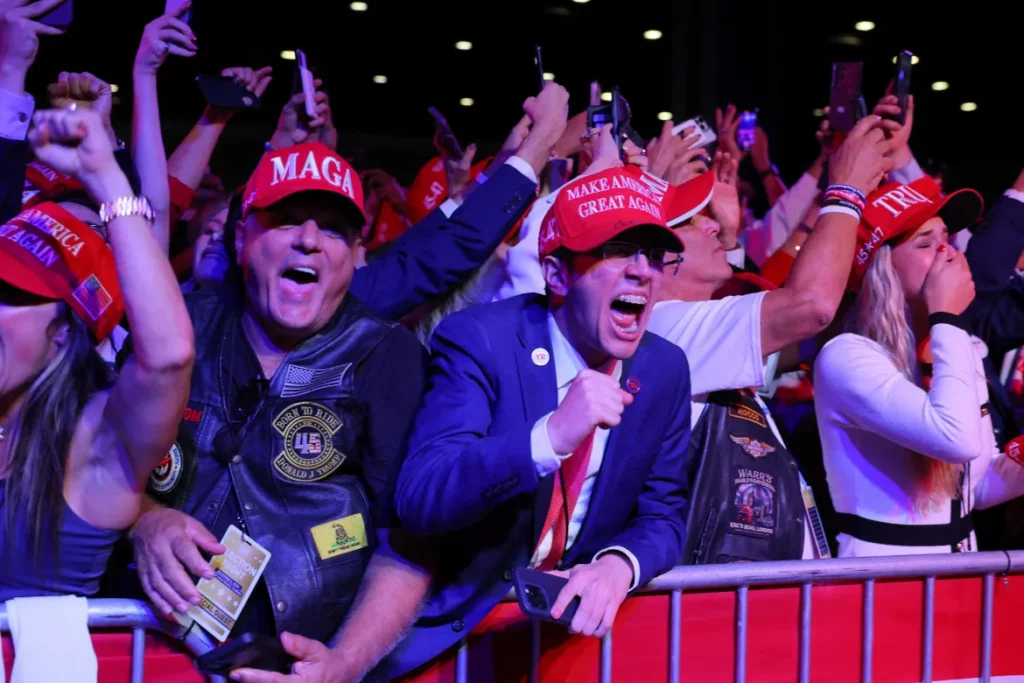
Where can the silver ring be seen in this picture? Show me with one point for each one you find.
(643, 151)
(73, 106)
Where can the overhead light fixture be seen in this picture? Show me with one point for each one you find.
(653, 34)
(358, 6)
(581, 2)
(852, 41)
(818, 113)
(114, 87)
(466, 101)
(968, 106)
(288, 54)
(463, 45)
(664, 116)
(548, 76)
(913, 60)
(940, 85)
(380, 79)
(606, 97)
(864, 25)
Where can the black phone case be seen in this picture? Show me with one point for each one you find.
(224, 93)
(248, 650)
(60, 16)
(537, 591)
(846, 84)
(904, 62)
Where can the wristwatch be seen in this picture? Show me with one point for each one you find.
(126, 206)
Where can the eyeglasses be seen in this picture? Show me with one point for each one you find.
(658, 257)
(226, 442)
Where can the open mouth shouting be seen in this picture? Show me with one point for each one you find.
(299, 282)
(626, 312)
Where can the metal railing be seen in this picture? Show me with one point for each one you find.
(805, 573)
(138, 617)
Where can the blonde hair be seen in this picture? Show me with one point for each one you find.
(880, 314)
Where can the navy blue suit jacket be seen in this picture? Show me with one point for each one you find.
(469, 476)
(439, 253)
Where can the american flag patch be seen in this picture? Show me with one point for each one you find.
(299, 381)
(93, 296)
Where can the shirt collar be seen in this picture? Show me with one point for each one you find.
(568, 361)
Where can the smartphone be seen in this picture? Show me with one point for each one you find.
(222, 92)
(901, 88)
(537, 591)
(618, 113)
(249, 650)
(846, 84)
(745, 131)
(540, 67)
(60, 16)
(444, 139)
(173, 7)
(306, 80)
(707, 133)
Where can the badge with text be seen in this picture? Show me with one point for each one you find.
(308, 430)
(341, 536)
(743, 412)
(235, 575)
(753, 506)
(752, 447)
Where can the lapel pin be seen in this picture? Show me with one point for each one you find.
(633, 385)
(540, 356)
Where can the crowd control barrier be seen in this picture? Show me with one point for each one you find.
(923, 618)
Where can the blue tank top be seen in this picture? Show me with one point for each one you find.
(82, 548)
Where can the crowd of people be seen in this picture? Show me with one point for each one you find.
(583, 356)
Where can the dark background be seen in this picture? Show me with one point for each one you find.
(772, 54)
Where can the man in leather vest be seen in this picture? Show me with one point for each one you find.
(300, 407)
(748, 503)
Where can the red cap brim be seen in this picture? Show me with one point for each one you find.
(684, 201)
(16, 274)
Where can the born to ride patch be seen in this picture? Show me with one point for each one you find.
(753, 507)
(166, 475)
(308, 430)
(744, 413)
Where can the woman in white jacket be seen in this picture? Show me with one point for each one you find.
(907, 459)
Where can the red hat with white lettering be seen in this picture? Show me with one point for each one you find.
(43, 183)
(896, 210)
(593, 209)
(48, 252)
(430, 187)
(309, 167)
(687, 200)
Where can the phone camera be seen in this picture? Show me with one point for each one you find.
(535, 597)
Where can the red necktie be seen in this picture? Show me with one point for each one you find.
(572, 473)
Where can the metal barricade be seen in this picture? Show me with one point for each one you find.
(806, 573)
(138, 617)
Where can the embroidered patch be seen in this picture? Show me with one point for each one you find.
(340, 536)
(166, 475)
(752, 447)
(308, 430)
(1013, 450)
(299, 381)
(753, 505)
(193, 415)
(93, 296)
(744, 413)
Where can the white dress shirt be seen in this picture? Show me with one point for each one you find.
(568, 364)
(15, 114)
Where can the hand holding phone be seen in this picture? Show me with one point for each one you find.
(746, 131)
(445, 141)
(702, 128)
(537, 591)
(540, 67)
(306, 80)
(224, 92)
(901, 83)
(58, 17)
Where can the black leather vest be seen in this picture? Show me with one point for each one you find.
(747, 505)
(297, 472)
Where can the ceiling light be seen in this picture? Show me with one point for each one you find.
(968, 106)
(581, 2)
(548, 76)
(664, 116)
(606, 97)
(852, 41)
(114, 87)
(466, 101)
(818, 113)
(653, 34)
(381, 80)
(463, 45)
(940, 85)
(288, 54)
(358, 6)
(864, 25)
(913, 60)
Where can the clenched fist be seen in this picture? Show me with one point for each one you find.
(594, 400)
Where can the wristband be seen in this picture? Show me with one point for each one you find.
(943, 317)
(843, 202)
(853, 213)
(846, 196)
(847, 188)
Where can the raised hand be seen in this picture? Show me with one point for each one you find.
(594, 400)
(255, 81)
(949, 285)
(725, 202)
(865, 155)
(727, 124)
(166, 34)
(294, 127)
(73, 142)
(19, 39)
(84, 90)
(899, 135)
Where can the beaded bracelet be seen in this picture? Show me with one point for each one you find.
(847, 188)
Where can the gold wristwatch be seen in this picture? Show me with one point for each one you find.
(126, 206)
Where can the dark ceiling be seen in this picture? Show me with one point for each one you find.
(772, 54)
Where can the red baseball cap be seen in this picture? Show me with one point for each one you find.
(430, 187)
(309, 167)
(685, 201)
(896, 210)
(48, 252)
(43, 183)
(593, 209)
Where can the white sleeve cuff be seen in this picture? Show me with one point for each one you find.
(448, 207)
(524, 168)
(1015, 194)
(15, 114)
(736, 257)
(632, 560)
(543, 453)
